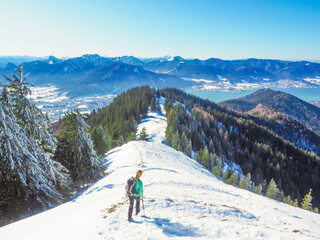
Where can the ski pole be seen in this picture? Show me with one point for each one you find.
(143, 206)
(120, 210)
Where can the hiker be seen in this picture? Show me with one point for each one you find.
(134, 192)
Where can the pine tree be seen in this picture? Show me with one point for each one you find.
(257, 189)
(205, 157)
(24, 179)
(131, 137)
(143, 135)
(225, 175)
(176, 141)
(272, 189)
(90, 165)
(75, 150)
(247, 182)
(216, 171)
(153, 105)
(37, 127)
(306, 201)
(295, 203)
(183, 142)
(188, 149)
(100, 140)
(232, 179)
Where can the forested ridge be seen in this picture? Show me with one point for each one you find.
(216, 134)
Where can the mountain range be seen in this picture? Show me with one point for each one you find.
(116, 74)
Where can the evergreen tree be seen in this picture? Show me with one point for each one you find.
(131, 137)
(24, 177)
(153, 105)
(197, 157)
(184, 142)
(143, 134)
(247, 181)
(216, 171)
(306, 201)
(176, 141)
(225, 175)
(188, 149)
(90, 165)
(232, 179)
(75, 150)
(272, 189)
(295, 203)
(205, 157)
(257, 189)
(100, 140)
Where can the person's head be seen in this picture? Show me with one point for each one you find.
(139, 173)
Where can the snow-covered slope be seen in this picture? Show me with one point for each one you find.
(182, 199)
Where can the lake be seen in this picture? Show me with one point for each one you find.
(306, 94)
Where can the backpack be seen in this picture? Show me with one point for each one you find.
(130, 187)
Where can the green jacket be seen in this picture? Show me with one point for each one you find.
(139, 188)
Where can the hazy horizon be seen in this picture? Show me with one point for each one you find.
(231, 29)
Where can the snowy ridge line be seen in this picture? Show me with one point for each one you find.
(183, 200)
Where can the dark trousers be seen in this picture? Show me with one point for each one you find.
(131, 199)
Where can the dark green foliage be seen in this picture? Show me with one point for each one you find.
(256, 148)
(245, 183)
(75, 150)
(153, 105)
(101, 140)
(307, 113)
(187, 150)
(143, 136)
(176, 141)
(122, 115)
(232, 179)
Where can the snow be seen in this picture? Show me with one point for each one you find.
(56, 103)
(226, 86)
(182, 199)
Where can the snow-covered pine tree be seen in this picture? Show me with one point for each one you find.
(75, 150)
(90, 165)
(37, 127)
(23, 178)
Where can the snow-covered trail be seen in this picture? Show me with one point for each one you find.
(182, 200)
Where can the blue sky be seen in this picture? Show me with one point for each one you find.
(227, 29)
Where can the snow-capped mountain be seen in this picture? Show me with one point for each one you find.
(167, 71)
(181, 199)
(94, 75)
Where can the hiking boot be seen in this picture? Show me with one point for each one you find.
(130, 220)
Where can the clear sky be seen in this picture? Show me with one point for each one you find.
(227, 29)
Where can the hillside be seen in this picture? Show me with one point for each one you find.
(300, 110)
(182, 199)
(286, 127)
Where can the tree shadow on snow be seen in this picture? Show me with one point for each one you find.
(176, 229)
